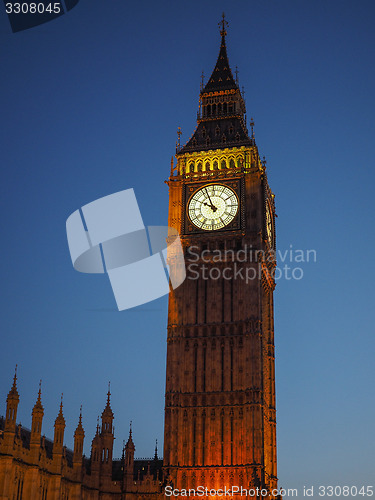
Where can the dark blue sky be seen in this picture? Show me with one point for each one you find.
(90, 104)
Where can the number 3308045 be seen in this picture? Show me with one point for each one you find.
(32, 8)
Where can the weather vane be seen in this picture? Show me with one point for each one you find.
(223, 24)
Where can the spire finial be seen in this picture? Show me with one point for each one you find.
(15, 378)
(130, 430)
(236, 71)
(156, 450)
(61, 402)
(13, 391)
(202, 81)
(178, 143)
(252, 127)
(38, 404)
(80, 415)
(109, 394)
(223, 24)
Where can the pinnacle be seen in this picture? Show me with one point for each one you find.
(38, 405)
(79, 429)
(108, 410)
(60, 417)
(13, 393)
(130, 439)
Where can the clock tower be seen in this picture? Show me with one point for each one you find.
(220, 415)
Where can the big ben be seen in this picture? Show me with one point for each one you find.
(220, 414)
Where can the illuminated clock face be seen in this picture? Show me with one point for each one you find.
(213, 207)
(269, 225)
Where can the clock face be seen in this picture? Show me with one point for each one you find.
(213, 207)
(269, 225)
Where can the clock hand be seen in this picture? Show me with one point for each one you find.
(212, 205)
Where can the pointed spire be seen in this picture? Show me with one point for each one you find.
(130, 442)
(13, 399)
(79, 436)
(60, 417)
(79, 430)
(156, 451)
(13, 393)
(178, 142)
(108, 413)
(108, 406)
(252, 127)
(38, 405)
(36, 423)
(221, 78)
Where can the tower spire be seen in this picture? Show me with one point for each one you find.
(36, 426)
(13, 391)
(79, 436)
(107, 435)
(13, 399)
(130, 439)
(38, 403)
(60, 417)
(222, 111)
(221, 78)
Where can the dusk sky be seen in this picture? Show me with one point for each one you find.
(90, 105)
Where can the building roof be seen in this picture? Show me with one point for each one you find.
(221, 78)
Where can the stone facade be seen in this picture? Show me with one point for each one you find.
(35, 468)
